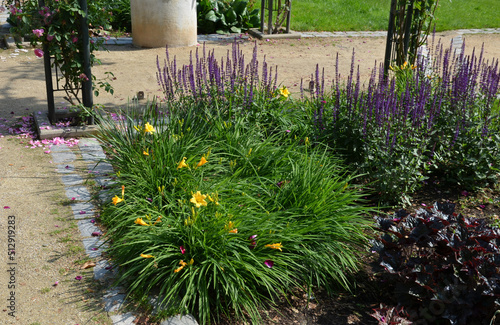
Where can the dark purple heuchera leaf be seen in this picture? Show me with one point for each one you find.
(377, 246)
(384, 223)
(445, 208)
(420, 232)
(439, 258)
(391, 315)
(401, 213)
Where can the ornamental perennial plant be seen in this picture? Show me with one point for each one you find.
(231, 238)
(437, 120)
(246, 194)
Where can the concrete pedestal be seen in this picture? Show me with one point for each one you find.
(157, 23)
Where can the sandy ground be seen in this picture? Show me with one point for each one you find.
(32, 190)
(40, 245)
(22, 87)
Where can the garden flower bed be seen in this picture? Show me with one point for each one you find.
(232, 195)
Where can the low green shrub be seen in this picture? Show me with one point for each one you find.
(216, 217)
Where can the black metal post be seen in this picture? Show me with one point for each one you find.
(48, 83)
(48, 77)
(87, 97)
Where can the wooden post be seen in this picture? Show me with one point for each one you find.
(270, 18)
(388, 44)
(408, 19)
(262, 14)
(288, 16)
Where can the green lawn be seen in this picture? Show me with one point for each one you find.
(342, 15)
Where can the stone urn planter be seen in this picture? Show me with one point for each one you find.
(157, 23)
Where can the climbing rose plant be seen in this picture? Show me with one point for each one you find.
(57, 24)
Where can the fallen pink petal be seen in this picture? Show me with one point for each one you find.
(96, 234)
(78, 277)
(269, 263)
(6, 207)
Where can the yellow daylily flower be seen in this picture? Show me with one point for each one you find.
(149, 128)
(182, 263)
(141, 222)
(116, 200)
(202, 162)
(146, 152)
(274, 246)
(182, 163)
(157, 220)
(146, 256)
(284, 92)
(198, 199)
(229, 226)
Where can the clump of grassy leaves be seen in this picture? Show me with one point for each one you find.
(219, 215)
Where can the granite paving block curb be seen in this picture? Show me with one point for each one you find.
(84, 212)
